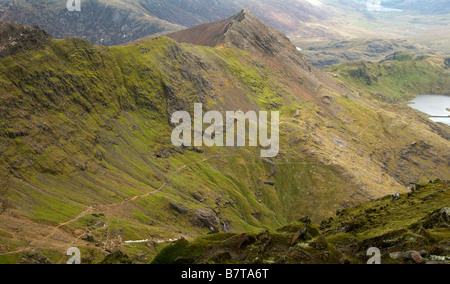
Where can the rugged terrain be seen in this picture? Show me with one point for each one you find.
(412, 228)
(121, 21)
(16, 38)
(86, 158)
(101, 22)
(309, 23)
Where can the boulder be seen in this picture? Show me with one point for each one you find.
(438, 219)
(300, 235)
(396, 196)
(178, 207)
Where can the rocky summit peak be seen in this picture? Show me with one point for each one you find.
(242, 15)
(243, 30)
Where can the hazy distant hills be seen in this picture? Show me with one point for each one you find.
(283, 15)
(422, 24)
(307, 22)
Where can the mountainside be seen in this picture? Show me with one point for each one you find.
(246, 32)
(87, 160)
(309, 23)
(285, 15)
(414, 228)
(100, 21)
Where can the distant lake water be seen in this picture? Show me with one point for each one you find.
(434, 105)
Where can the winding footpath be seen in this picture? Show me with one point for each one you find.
(91, 209)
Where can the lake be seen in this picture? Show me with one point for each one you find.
(434, 105)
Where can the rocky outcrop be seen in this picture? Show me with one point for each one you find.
(447, 62)
(16, 38)
(207, 219)
(244, 31)
(201, 218)
(438, 219)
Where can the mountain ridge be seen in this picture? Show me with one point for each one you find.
(243, 31)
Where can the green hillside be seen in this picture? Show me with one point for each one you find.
(87, 161)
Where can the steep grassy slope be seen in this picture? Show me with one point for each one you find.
(399, 77)
(87, 161)
(417, 221)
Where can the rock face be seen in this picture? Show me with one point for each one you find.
(447, 62)
(206, 218)
(16, 38)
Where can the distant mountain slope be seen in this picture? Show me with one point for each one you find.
(399, 77)
(426, 7)
(121, 21)
(419, 22)
(100, 21)
(285, 15)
